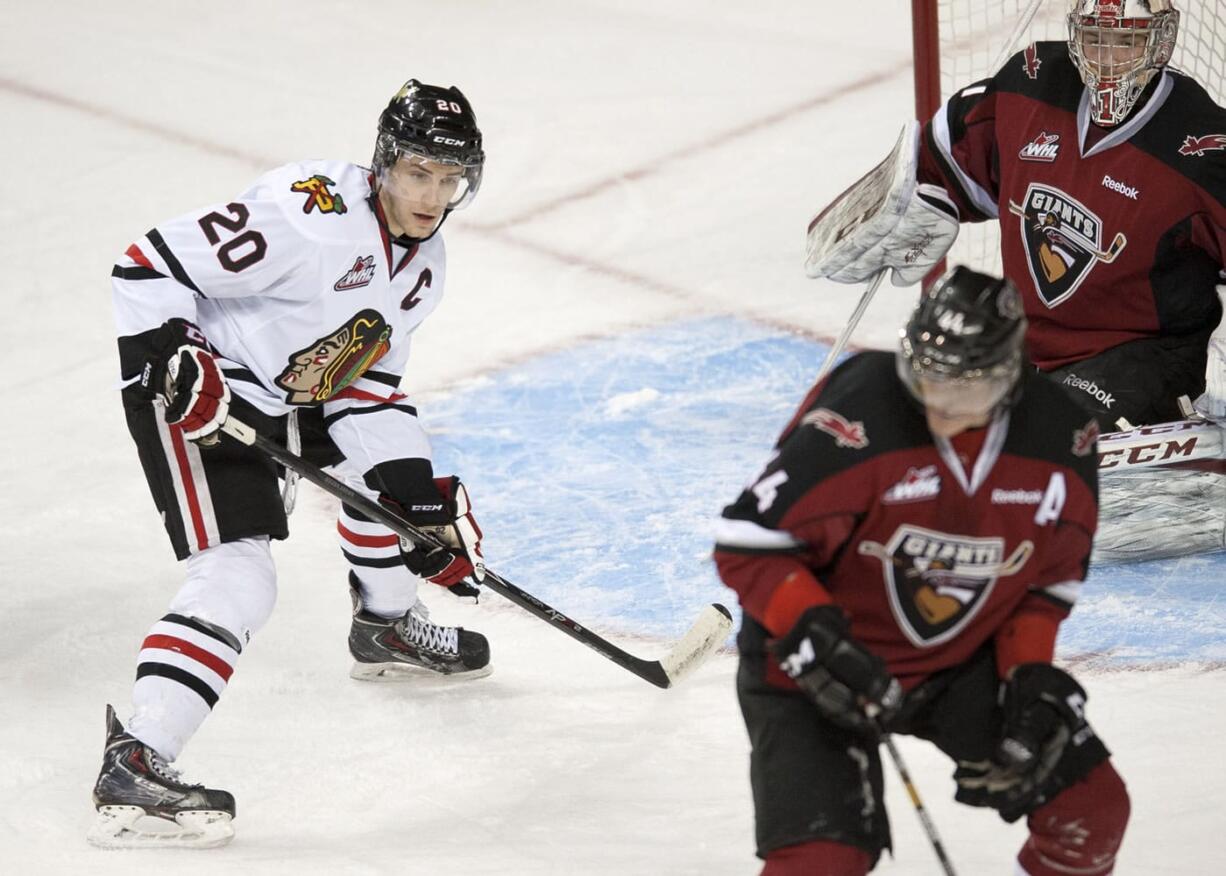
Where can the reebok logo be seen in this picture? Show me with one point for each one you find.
(1091, 389)
(1017, 497)
(1117, 186)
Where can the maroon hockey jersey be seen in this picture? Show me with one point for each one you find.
(1110, 235)
(930, 558)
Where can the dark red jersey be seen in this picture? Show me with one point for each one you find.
(1111, 234)
(930, 557)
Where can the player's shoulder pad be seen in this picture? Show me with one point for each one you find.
(319, 198)
(1048, 424)
(859, 411)
(1042, 70)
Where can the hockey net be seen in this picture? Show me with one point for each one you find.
(958, 42)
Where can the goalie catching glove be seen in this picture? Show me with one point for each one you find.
(183, 370)
(849, 684)
(885, 220)
(451, 521)
(1044, 712)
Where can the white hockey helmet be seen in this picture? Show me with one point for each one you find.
(1118, 47)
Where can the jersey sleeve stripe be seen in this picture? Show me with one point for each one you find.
(136, 273)
(971, 190)
(348, 412)
(172, 261)
(745, 534)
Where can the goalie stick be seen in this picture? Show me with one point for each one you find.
(702, 638)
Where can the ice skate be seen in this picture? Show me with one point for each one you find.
(411, 646)
(143, 803)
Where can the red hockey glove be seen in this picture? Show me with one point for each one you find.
(848, 683)
(451, 521)
(1044, 712)
(184, 372)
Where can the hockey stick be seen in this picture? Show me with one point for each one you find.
(930, 828)
(845, 335)
(702, 638)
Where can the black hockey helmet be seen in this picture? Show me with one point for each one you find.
(968, 328)
(433, 123)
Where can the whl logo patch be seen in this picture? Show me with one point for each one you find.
(938, 582)
(1045, 148)
(917, 485)
(362, 272)
(1063, 241)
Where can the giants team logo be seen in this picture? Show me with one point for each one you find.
(845, 433)
(318, 195)
(1045, 148)
(318, 372)
(937, 582)
(1063, 241)
(1198, 146)
(1030, 59)
(362, 272)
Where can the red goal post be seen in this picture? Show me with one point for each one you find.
(957, 42)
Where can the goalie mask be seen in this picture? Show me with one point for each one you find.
(428, 158)
(1118, 46)
(960, 355)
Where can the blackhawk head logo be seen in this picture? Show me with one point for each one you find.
(318, 372)
(938, 582)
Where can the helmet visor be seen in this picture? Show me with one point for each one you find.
(962, 397)
(428, 181)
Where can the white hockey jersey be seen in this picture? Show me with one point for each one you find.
(298, 286)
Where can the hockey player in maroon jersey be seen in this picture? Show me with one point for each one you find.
(292, 305)
(903, 564)
(1107, 171)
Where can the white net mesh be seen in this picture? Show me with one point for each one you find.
(976, 35)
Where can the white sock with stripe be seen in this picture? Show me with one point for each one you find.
(372, 550)
(186, 660)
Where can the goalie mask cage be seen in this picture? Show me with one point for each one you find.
(957, 42)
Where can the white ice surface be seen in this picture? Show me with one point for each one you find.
(648, 161)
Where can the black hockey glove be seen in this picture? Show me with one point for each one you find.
(183, 370)
(1044, 711)
(449, 519)
(848, 683)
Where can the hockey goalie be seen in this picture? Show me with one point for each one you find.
(1107, 172)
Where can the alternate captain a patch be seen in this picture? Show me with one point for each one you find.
(318, 372)
(938, 582)
(319, 196)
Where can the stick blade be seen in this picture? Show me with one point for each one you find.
(700, 641)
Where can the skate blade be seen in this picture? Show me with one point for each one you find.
(405, 672)
(130, 827)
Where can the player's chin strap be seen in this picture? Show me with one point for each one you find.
(707, 633)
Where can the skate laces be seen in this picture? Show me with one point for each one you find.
(164, 769)
(421, 632)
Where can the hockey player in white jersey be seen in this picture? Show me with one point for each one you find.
(292, 307)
